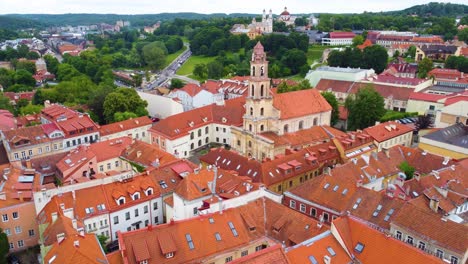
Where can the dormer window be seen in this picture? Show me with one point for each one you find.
(121, 201)
(136, 196)
(170, 255)
(144, 262)
(149, 191)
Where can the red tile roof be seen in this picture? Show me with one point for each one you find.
(318, 247)
(342, 35)
(387, 130)
(263, 212)
(426, 97)
(377, 247)
(287, 104)
(364, 45)
(180, 125)
(124, 125)
(304, 137)
(147, 154)
(273, 254)
(76, 249)
(444, 234)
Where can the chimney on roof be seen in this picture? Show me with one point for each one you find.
(386, 152)
(434, 204)
(28, 164)
(138, 153)
(359, 183)
(60, 237)
(417, 176)
(73, 195)
(76, 243)
(20, 196)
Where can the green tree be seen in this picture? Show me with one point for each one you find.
(463, 35)
(331, 99)
(424, 121)
(300, 21)
(358, 40)
(4, 246)
(30, 109)
(26, 65)
(201, 71)
(5, 103)
(406, 168)
(215, 70)
(294, 59)
(176, 83)
(123, 100)
(32, 55)
(424, 67)
(121, 116)
(365, 108)
(154, 55)
(66, 72)
(411, 51)
(52, 63)
(102, 241)
(375, 57)
(24, 77)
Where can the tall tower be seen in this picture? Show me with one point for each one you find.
(259, 102)
(264, 16)
(260, 115)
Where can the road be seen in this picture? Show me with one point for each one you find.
(165, 75)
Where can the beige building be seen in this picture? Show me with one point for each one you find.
(269, 115)
(389, 134)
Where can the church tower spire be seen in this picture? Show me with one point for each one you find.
(259, 82)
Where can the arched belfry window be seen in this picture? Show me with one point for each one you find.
(253, 70)
(262, 71)
(262, 90)
(251, 111)
(252, 90)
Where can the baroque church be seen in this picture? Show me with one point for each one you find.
(274, 122)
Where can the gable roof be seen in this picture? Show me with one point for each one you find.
(181, 124)
(287, 104)
(427, 224)
(273, 254)
(76, 249)
(124, 125)
(201, 230)
(377, 247)
(387, 130)
(147, 154)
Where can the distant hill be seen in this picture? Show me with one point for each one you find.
(135, 20)
(433, 9)
(10, 22)
(19, 21)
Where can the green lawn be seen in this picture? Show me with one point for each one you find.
(189, 65)
(173, 56)
(315, 53)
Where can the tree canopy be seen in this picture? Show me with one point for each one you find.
(123, 100)
(331, 99)
(365, 108)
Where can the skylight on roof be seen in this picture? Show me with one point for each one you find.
(326, 185)
(233, 229)
(331, 251)
(238, 166)
(359, 247)
(211, 220)
(336, 188)
(345, 191)
(313, 260)
(217, 236)
(189, 241)
(163, 184)
(358, 201)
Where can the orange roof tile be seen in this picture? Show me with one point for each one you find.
(445, 234)
(318, 247)
(124, 125)
(147, 154)
(201, 231)
(76, 249)
(377, 247)
(273, 254)
(181, 124)
(387, 130)
(287, 104)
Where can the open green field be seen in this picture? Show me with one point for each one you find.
(189, 65)
(173, 56)
(315, 53)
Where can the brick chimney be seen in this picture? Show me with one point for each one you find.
(434, 204)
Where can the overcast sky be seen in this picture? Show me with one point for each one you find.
(203, 6)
